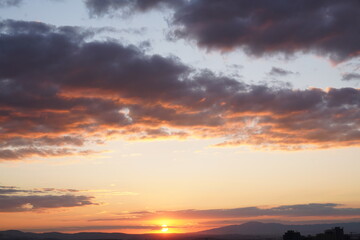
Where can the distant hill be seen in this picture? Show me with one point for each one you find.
(258, 228)
(246, 231)
(14, 234)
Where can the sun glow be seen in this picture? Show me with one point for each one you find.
(164, 228)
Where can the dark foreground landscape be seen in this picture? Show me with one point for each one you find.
(246, 231)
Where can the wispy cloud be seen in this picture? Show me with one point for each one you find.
(13, 199)
(275, 71)
(351, 76)
(16, 154)
(10, 3)
(98, 8)
(312, 210)
(104, 192)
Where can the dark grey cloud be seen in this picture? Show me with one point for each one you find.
(351, 77)
(299, 210)
(62, 90)
(275, 71)
(103, 7)
(30, 203)
(14, 199)
(10, 3)
(323, 27)
(327, 28)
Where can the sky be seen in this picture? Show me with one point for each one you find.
(150, 116)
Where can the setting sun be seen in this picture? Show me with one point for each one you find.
(164, 228)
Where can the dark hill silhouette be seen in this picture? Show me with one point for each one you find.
(246, 231)
(258, 228)
(14, 234)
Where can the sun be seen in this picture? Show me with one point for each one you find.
(164, 228)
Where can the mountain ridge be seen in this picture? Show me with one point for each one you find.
(259, 228)
(248, 230)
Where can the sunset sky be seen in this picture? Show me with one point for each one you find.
(139, 115)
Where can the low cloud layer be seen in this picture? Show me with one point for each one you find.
(61, 91)
(13, 199)
(326, 28)
(30, 203)
(313, 210)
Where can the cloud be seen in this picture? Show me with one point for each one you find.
(9, 3)
(104, 192)
(14, 148)
(61, 90)
(29, 203)
(59, 190)
(97, 227)
(351, 76)
(299, 210)
(46, 140)
(266, 27)
(11, 190)
(21, 153)
(325, 28)
(283, 221)
(13, 199)
(103, 7)
(279, 72)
